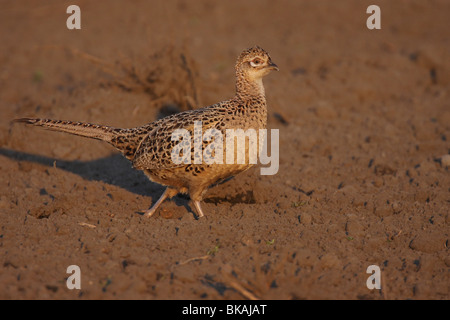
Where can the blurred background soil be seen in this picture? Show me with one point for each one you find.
(364, 120)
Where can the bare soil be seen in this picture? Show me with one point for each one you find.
(364, 120)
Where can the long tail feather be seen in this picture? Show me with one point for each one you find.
(89, 130)
(125, 140)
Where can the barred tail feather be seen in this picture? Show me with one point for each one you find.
(88, 130)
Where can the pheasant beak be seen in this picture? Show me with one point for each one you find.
(272, 66)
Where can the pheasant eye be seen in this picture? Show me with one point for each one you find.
(255, 62)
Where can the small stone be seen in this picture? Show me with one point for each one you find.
(325, 110)
(305, 218)
(246, 240)
(329, 261)
(166, 213)
(445, 160)
(354, 229)
(397, 207)
(377, 182)
(428, 243)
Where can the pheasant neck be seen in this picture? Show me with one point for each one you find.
(249, 88)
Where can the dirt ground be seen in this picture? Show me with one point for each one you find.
(364, 120)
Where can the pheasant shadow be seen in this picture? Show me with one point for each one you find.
(114, 170)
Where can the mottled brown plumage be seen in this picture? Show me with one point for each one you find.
(149, 147)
